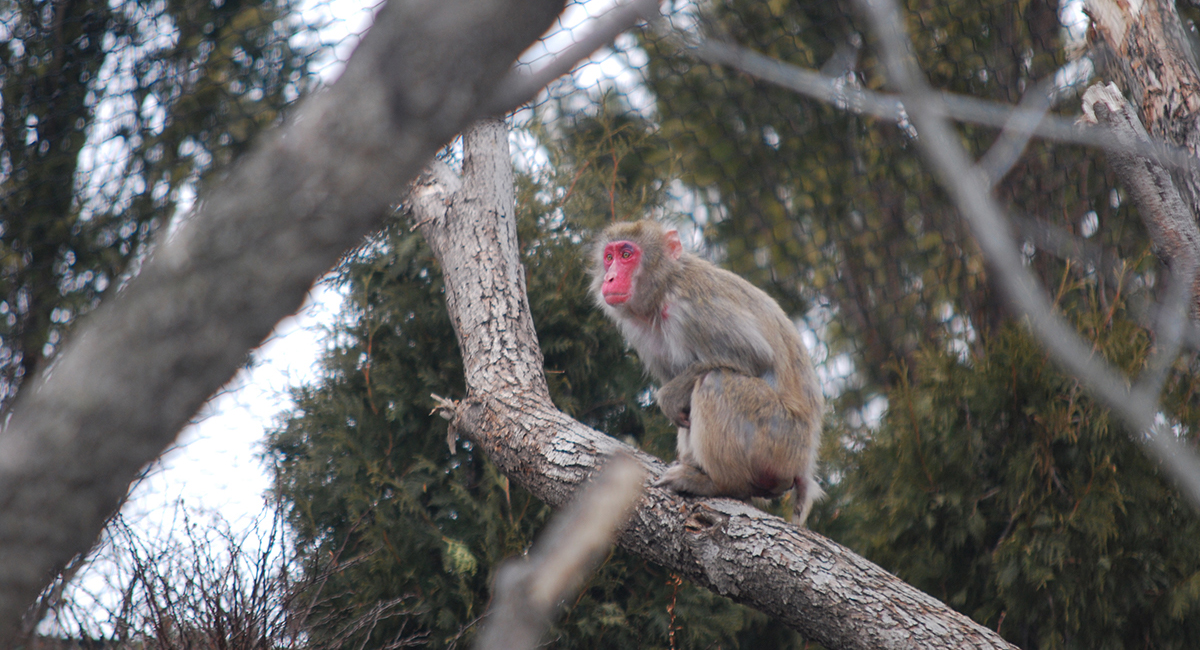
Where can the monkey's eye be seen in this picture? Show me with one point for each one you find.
(626, 254)
(608, 258)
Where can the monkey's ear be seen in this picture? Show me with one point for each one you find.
(674, 248)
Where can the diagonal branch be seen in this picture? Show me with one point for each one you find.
(862, 101)
(520, 86)
(142, 364)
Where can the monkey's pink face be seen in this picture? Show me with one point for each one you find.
(621, 260)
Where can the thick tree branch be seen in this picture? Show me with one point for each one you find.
(143, 363)
(1170, 222)
(812, 584)
(1146, 50)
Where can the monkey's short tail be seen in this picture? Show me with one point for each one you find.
(806, 492)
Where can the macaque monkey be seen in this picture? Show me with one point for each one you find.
(735, 375)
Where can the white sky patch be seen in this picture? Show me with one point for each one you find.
(215, 471)
(339, 25)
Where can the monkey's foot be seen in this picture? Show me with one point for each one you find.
(687, 479)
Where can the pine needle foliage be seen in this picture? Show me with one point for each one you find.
(111, 115)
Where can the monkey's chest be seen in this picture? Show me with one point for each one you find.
(661, 347)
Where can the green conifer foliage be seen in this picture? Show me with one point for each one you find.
(996, 483)
(836, 212)
(106, 111)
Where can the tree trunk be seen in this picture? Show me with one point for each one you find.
(1145, 48)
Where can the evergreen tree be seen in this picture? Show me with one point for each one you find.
(993, 481)
(997, 484)
(108, 110)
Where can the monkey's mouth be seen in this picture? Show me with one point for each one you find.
(616, 298)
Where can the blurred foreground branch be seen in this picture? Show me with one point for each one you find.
(142, 364)
(528, 591)
(845, 93)
(970, 190)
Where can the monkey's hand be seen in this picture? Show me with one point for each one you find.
(675, 399)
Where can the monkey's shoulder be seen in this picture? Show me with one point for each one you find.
(706, 287)
(698, 278)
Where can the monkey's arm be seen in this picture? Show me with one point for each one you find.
(675, 396)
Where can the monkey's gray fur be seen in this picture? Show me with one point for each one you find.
(735, 375)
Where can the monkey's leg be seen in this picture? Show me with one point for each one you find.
(686, 474)
(675, 396)
(688, 479)
(744, 438)
(683, 446)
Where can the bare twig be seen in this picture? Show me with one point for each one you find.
(968, 188)
(520, 86)
(860, 101)
(1018, 131)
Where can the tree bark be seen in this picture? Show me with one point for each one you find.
(1164, 211)
(1145, 49)
(141, 365)
(818, 587)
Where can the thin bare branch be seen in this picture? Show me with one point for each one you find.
(1018, 131)
(520, 86)
(861, 101)
(1169, 333)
